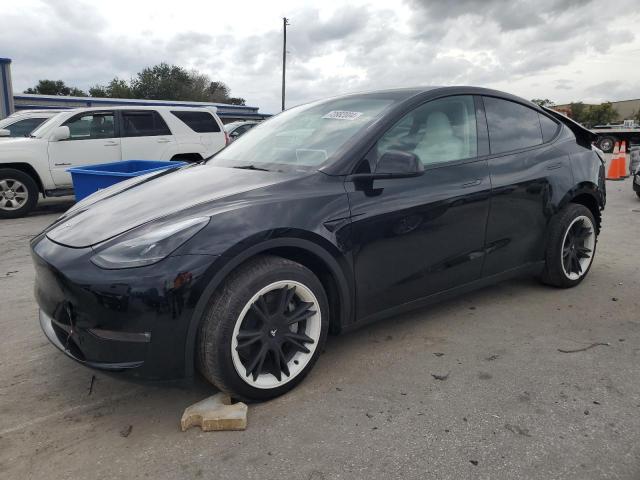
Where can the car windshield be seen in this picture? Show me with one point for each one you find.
(304, 137)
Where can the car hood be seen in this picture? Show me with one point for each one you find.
(116, 211)
(16, 143)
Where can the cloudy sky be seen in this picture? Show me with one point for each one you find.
(563, 50)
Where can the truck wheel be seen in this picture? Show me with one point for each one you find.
(606, 144)
(18, 193)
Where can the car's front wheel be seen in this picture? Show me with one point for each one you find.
(264, 329)
(18, 193)
(571, 246)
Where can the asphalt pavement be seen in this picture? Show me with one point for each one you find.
(484, 386)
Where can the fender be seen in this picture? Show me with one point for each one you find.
(344, 287)
(588, 188)
(592, 191)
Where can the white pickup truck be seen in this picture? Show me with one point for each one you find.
(38, 164)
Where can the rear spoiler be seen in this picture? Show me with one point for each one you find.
(584, 136)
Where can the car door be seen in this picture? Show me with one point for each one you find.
(414, 237)
(145, 136)
(528, 174)
(93, 139)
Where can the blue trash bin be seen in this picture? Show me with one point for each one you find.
(91, 178)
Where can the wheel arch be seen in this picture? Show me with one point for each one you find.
(306, 252)
(28, 169)
(587, 195)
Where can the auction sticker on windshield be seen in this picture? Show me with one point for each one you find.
(342, 115)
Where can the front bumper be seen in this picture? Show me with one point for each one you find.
(62, 336)
(133, 320)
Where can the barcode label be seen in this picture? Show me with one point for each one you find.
(342, 115)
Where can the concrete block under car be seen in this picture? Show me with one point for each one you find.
(215, 413)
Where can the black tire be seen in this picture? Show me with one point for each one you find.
(606, 144)
(215, 337)
(6, 209)
(554, 272)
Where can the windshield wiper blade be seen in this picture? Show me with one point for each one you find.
(252, 167)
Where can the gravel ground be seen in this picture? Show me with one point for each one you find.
(509, 404)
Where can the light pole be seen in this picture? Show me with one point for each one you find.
(285, 22)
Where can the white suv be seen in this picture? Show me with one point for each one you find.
(85, 136)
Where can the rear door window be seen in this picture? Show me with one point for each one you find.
(511, 126)
(201, 122)
(143, 123)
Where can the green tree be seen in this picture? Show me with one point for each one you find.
(601, 114)
(116, 88)
(236, 101)
(163, 82)
(55, 87)
(169, 82)
(160, 82)
(579, 112)
(543, 102)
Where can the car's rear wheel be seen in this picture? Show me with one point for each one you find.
(264, 329)
(571, 246)
(18, 193)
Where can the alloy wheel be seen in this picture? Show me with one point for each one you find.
(577, 247)
(276, 334)
(606, 144)
(13, 194)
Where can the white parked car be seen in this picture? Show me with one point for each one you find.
(22, 123)
(236, 129)
(38, 164)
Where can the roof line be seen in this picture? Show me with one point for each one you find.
(128, 101)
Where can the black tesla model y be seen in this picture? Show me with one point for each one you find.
(325, 217)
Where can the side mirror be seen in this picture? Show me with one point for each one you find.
(394, 164)
(234, 134)
(60, 133)
(5, 133)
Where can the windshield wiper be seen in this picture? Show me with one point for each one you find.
(252, 167)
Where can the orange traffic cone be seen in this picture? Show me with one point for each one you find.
(614, 172)
(624, 171)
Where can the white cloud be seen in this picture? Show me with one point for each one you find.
(558, 49)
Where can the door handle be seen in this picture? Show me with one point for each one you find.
(553, 166)
(111, 144)
(163, 140)
(472, 183)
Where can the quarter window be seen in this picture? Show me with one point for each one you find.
(201, 122)
(144, 123)
(442, 130)
(549, 128)
(91, 126)
(511, 126)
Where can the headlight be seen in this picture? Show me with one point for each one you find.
(148, 244)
